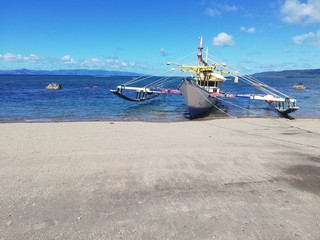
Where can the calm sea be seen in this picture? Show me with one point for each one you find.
(24, 98)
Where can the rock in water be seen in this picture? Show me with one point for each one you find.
(54, 86)
(299, 86)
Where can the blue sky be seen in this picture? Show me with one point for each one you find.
(141, 36)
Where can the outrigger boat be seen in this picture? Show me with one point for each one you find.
(202, 92)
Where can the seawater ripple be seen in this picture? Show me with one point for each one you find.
(87, 98)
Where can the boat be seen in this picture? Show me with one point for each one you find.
(202, 91)
(201, 94)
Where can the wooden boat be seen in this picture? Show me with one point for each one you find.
(203, 90)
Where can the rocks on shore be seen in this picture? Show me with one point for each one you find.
(54, 86)
(299, 86)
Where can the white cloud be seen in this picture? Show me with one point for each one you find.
(229, 8)
(18, 57)
(248, 30)
(216, 9)
(109, 62)
(295, 12)
(92, 62)
(32, 60)
(212, 12)
(117, 63)
(300, 39)
(223, 39)
(68, 59)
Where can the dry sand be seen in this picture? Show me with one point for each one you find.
(218, 179)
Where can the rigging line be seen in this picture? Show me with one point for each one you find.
(155, 83)
(265, 116)
(145, 77)
(251, 82)
(236, 105)
(259, 135)
(177, 60)
(187, 56)
(265, 88)
(261, 89)
(269, 87)
(251, 111)
(166, 82)
(172, 80)
(251, 78)
(231, 104)
(243, 108)
(142, 78)
(175, 79)
(162, 82)
(259, 114)
(254, 80)
(136, 80)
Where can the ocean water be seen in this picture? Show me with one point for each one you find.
(87, 98)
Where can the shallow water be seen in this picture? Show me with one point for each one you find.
(23, 98)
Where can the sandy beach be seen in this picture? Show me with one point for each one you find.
(217, 179)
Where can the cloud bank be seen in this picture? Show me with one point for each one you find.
(61, 62)
(296, 12)
(216, 9)
(9, 57)
(300, 39)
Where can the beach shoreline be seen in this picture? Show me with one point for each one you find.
(244, 178)
(184, 119)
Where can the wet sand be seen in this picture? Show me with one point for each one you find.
(217, 179)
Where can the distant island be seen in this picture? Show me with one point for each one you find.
(307, 73)
(74, 72)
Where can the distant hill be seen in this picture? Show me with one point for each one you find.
(307, 73)
(82, 72)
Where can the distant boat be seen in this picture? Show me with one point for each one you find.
(202, 92)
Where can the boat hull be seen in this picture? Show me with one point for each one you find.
(197, 99)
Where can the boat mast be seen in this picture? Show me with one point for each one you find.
(200, 51)
(200, 59)
(203, 71)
